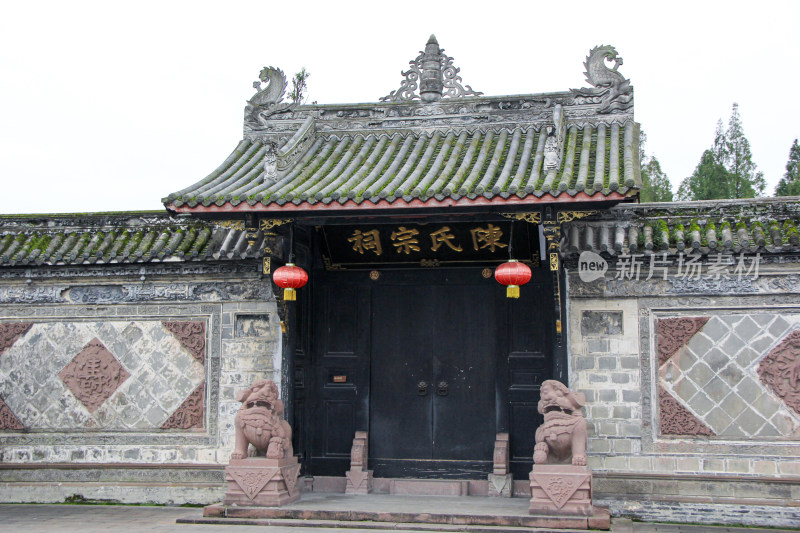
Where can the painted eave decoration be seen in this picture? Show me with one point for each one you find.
(432, 143)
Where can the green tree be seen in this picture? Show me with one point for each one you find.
(299, 86)
(727, 169)
(709, 180)
(747, 182)
(789, 185)
(656, 186)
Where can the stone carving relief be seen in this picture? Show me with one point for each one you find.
(190, 413)
(270, 175)
(8, 420)
(436, 74)
(611, 89)
(266, 101)
(674, 333)
(11, 332)
(562, 437)
(192, 335)
(780, 370)
(259, 422)
(675, 419)
(93, 375)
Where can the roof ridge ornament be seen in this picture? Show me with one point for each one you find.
(611, 88)
(437, 77)
(266, 101)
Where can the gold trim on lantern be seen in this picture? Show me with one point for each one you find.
(289, 295)
(512, 291)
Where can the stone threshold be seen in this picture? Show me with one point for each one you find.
(458, 513)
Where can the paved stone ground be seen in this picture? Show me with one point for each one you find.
(132, 519)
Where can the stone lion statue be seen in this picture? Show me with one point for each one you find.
(562, 437)
(259, 422)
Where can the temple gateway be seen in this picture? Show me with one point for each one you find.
(125, 338)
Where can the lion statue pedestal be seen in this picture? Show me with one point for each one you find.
(561, 483)
(263, 470)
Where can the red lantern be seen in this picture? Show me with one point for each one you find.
(513, 274)
(289, 278)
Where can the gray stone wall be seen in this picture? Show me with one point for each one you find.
(677, 379)
(136, 369)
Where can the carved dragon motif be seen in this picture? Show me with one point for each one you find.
(267, 100)
(611, 87)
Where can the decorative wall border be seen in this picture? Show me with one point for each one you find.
(650, 309)
(210, 313)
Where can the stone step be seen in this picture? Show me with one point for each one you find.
(370, 525)
(428, 487)
(476, 513)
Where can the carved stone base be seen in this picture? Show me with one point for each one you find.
(561, 490)
(501, 485)
(358, 482)
(257, 481)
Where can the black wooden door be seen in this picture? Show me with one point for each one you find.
(481, 357)
(433, 359)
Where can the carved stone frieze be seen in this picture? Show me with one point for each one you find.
(673, 333)
(141, 292)
(192, 335)
(11, 332)
(780, 370)
(190, 413)
(675, 419)
(8, 420)
(106, 271)
(93, 375)
(611, 89)
(724, 285)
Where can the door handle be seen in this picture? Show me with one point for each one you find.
(422, 388)
(441, 389)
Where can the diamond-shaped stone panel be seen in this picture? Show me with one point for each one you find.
(8, 420)
(714, 378)
(192, 335)
(673, 333)
(93, 375)
(675, 419)
(190, 413)
(11, 332)
(163, 375)
(780, 370)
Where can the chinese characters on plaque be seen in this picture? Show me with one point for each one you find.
(428, 244)
(407, 240)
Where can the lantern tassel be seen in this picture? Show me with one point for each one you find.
(512, 291)
(289, 295)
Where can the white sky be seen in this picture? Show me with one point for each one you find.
(109, 106)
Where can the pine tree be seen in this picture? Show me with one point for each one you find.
(727, 169)
(789, 185)
(656, 186)
(746, 182)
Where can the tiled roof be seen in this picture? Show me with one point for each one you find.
(396, 167)
(765, 225)
(115, 239)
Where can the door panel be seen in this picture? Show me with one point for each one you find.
(465, 360)
(340, 356)
(400, 421)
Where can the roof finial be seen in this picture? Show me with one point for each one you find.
(436, 74)
(430, 83)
